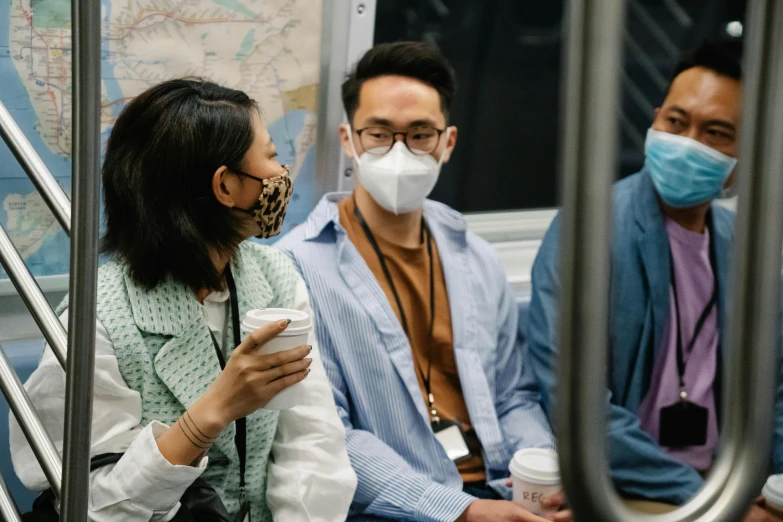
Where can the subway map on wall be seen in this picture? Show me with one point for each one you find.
(268, 48)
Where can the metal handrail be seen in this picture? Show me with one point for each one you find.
(71, 487)
(36, 169)
(8, 510)
(83, 285)
(589, 148)
(33, 297)
(589, 152)
(32, 427)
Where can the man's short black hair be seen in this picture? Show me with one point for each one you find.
(723, 57)
(162, 218)
(411, 59)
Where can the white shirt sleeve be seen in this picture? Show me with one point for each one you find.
(143, 485)
(310, 475)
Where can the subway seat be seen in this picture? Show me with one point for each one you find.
(24, 357)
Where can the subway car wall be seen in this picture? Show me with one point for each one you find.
(507, 56)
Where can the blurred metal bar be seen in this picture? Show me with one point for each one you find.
(28, 419)
(8, 510)
(637, 95)
(589, 155)
(36, 169)
(660, 81)
(679, 14)
(334, 48)
(86, 51)
(347, 32)
(754, 332)
(33, 297)
(590, 97)
(655, 28)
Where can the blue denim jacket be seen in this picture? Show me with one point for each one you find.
(640, 298)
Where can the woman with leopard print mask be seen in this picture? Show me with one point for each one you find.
(190, 173)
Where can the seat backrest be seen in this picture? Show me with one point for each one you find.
(24, 358)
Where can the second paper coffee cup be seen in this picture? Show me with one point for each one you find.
(535, 475)
(773, 494)
(295, 335)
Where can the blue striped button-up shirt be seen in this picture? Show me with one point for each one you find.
(404, 473)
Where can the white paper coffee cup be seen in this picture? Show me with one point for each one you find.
(535, 475)
(295, 335)
(773, 494)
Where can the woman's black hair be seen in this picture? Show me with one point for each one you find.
(162, 218)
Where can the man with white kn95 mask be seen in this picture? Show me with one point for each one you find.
(415, 318)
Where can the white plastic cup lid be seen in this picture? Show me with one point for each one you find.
(539, 466)
(773, 491)
(300, 321)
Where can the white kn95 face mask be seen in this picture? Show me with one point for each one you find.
(399, 180)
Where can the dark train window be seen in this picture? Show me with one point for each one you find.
(507, 55)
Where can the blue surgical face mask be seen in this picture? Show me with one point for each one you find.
(685, 172)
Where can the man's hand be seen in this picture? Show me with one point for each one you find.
(504, 511)
(497, 511)
(556, 501)
(759, 514)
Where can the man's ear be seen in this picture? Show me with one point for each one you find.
(450, 144)
(345, 137)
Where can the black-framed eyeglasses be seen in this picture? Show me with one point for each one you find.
(419, 140)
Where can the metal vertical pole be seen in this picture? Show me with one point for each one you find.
(334, 46)
(590, 98)
(347, 32)
(86, 47)
(753, 340)
(754, 329)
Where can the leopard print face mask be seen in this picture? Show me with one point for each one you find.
(272, 204)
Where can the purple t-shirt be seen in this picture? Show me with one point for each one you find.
(695, 282)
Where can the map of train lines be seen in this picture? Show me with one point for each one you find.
(267, 48)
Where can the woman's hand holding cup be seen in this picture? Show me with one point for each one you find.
(250, 380)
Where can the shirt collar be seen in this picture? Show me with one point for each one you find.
(326, 215)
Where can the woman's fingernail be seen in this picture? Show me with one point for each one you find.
(307, 372)
(309, 348)
(309, 361)
(284, 323)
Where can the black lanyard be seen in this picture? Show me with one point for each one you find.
(426, 379)
(681, 362)
(240, 439)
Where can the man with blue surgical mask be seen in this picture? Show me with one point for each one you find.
(415, 319)
(670, 266)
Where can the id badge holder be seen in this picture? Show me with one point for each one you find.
(451, 437)
(683, 424)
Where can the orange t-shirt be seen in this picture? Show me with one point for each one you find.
(409, 269)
